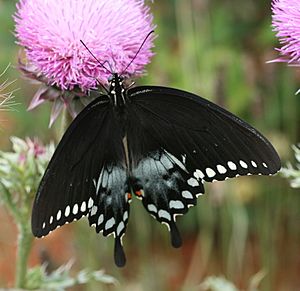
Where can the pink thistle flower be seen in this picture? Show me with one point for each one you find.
(286, 22)
(50, 31)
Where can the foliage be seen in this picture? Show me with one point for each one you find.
(60, 279)
(293, 172)
(6, 97)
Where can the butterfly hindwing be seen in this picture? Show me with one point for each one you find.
(217, 145)
(166, 189)
(110, 213)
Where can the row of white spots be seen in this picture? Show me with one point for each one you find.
(210, 173)
(83, 207)
(177, 204)
(111, 223)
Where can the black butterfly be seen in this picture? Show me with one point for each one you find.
(156, 143)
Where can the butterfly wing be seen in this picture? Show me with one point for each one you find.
(177, 140)
(160, 178)
(216, 144)
(86, 176)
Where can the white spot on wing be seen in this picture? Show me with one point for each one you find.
(198, 174)
(253, 164)
(110, 223)
(44, 225)
(164, 214)
(152, 208)
(221, 169)
(265, 165)
(125, 215)
(67, 211)
(120, 227)
(176, 204)
(187, 194)
(210, 172)
(100, 219)
(90, 203)
(51, 219)
(83, 206)
(243, 164)
(58, 215)
(232, 166)
(94, 210)
(193, 182)
(75, 209)
(183, 158)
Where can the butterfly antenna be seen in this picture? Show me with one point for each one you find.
(101, 64)
(110, 67)
(152, 31)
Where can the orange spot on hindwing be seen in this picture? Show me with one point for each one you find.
(139, 193)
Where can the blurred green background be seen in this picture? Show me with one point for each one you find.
(217, 49)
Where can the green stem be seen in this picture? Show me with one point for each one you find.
(7, 199)
(24, 246)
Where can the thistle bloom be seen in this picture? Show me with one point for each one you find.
(286, 22)
(51, 30)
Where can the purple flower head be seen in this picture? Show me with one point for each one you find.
(51, 30)
(286, 22)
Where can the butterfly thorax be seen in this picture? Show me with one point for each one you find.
(118, 98)
(117, 91)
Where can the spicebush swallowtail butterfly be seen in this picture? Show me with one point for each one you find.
(156, 143)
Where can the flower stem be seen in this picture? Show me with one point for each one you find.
(65, 122)
(24, 246)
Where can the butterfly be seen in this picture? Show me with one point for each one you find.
(156, 143)
(159, 144)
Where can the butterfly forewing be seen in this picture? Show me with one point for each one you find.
(69, 180)
(216, 144)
